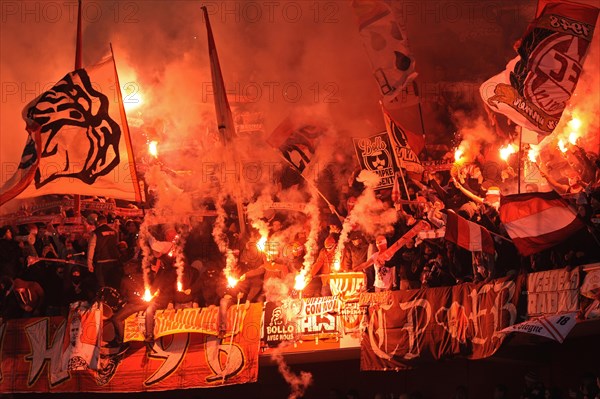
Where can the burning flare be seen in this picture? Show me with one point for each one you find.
(573, 137)
(507, 151)
(179, 286)
(262, 243)
(562, 146)
(458, 154)
(231, 281)
(148, 296)
(533, 153)
(153, 148)
(300, 282)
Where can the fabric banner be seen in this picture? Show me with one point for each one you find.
(297, 143)
(421, 325)
(385, 41)
(552, 292)
(347, 286)
(537, 84)
(81, 143)
(438, 165)
(295, 319)
(82, 338)
(406, 144)
(32, 351)
(555, 327)
(189, 320)
(537, 221)
(375, 154)
(467, 234)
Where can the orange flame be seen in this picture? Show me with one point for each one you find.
(507, 151)
(261, 244)
(300, 282)
(148, 296)
(231, 281)
(573, 137)
(562, 146)
(458, 154)
(179, 286)
(533, 153)
(153, 148)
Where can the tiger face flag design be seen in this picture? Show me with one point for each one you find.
(536, 86)
(78, 140)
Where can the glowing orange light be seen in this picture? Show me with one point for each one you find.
(231, 281)
(153, 148)
(300, 282)
(458, 154)
(533, 153)
(506, 151)
(562, 146)
(148, 296)
(573, 137)
(179, 286)
(262, 243)
(575, 123)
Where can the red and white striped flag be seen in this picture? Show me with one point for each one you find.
(468, 235)
(537, 221)
(396, 189)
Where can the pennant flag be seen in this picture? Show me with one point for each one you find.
(222, 108)
(537, 84)
(555, 327)
(396, 190)
(468, 235)
(403, 141)
(385, 40)
(537, 221)
(375, 154)
(297, 143)
(79, 142)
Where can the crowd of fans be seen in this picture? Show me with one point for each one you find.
(44, 271)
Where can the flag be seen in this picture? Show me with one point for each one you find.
(375, 154)
(297, 142)
(385, 41)
(536, 85)
(78, 142)
(537, 221)
(468, 235)
(396, 190)
(555, 327)
(82, 339)
(406, 145)
(222, 108)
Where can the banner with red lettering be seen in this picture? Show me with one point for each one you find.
(417, 326)
(32, 351)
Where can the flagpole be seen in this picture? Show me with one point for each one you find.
(519, 160)
(404, 181)
(224, 117)
(416, 89)
(78, 65)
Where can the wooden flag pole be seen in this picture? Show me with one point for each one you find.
(78, 65)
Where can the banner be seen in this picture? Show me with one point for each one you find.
(189, 320)
(537, 84)
(32, 350)
(422, 325)
(552, 292)
(347, 286)
(385, 41)
(81, 143)
(297, 143)
(375, 154)
(406, 144)
(555, 327)
(438, 165)
(295, 319)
